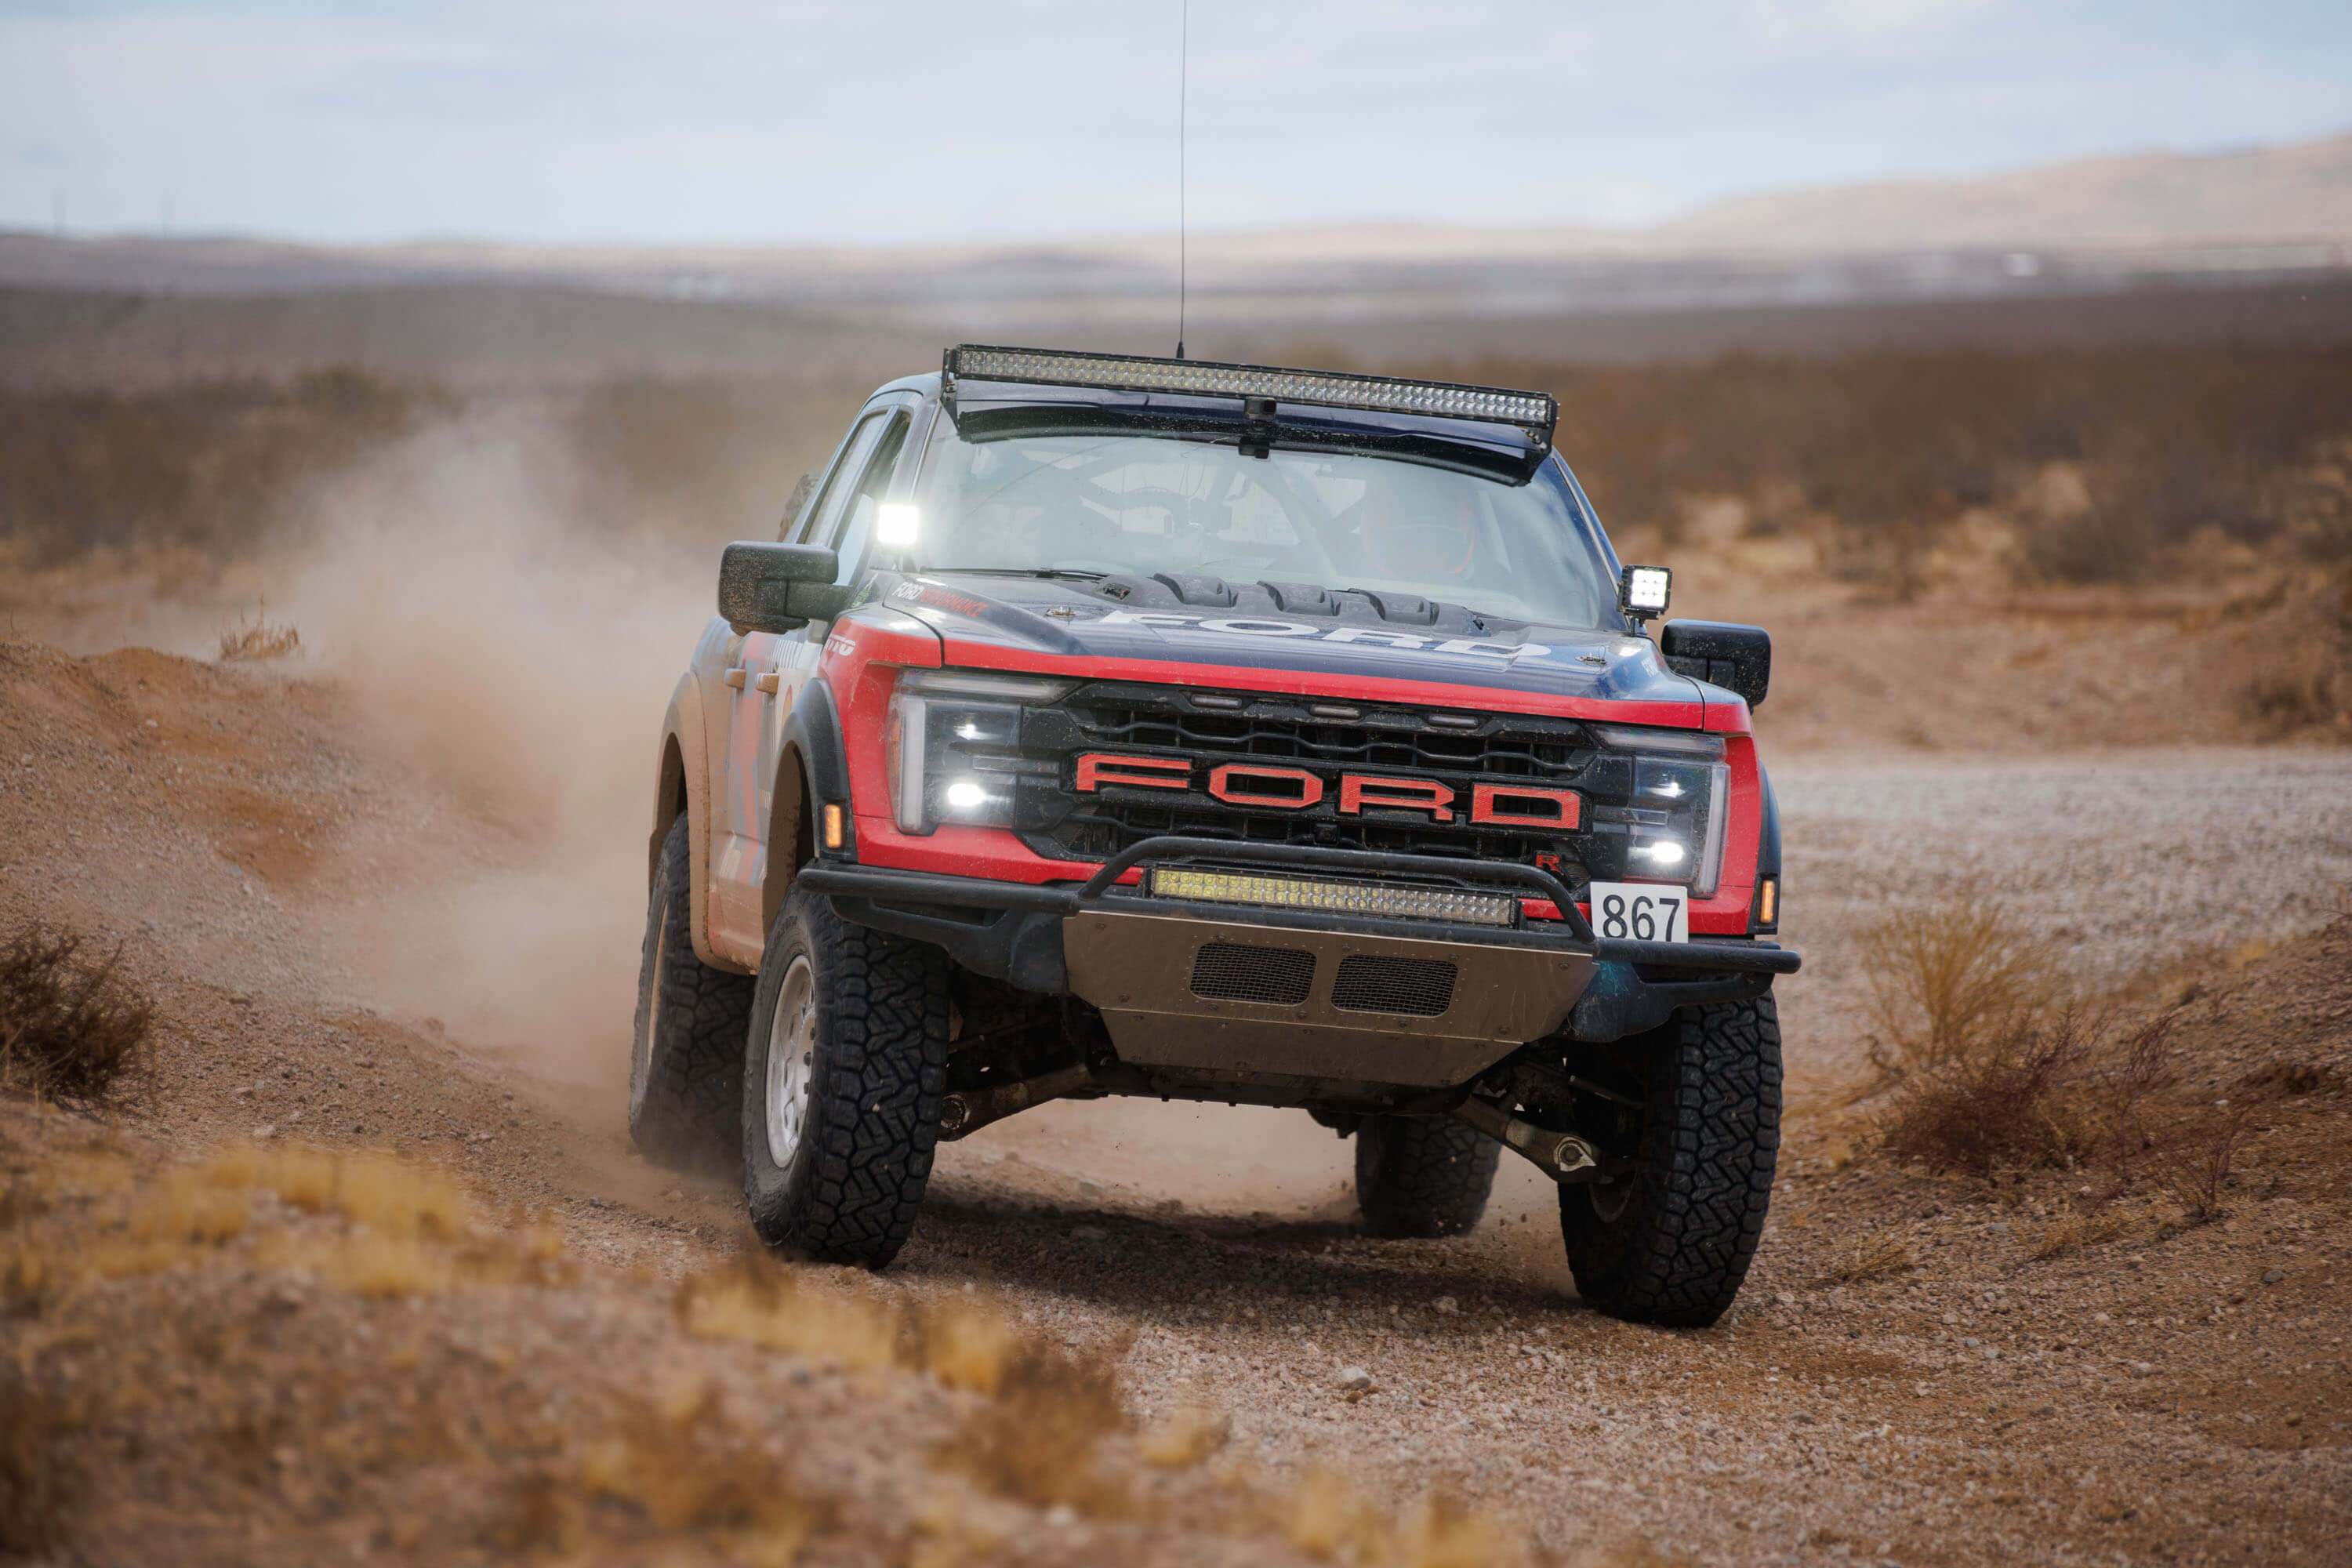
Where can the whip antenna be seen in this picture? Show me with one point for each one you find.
(1183, 64)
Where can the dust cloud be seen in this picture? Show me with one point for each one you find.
(521, 663)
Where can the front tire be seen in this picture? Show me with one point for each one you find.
(686, 1059)
(844, 1071)
(1670, 1244)
(1423, 1175)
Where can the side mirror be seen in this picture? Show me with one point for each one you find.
(1737, 658)
(779, 587)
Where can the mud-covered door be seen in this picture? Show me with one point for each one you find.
(764, 673)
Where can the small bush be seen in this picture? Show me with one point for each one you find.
(1874, 1258)
(2192, 1161)
(2006, 1101)
(36, 1484)
(72, 1029)
(2072, 1230)
(256, 637)
(1947, 982)
(1036, 1439)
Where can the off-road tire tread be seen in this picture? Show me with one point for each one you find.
(1708, 1158)
(684, 1114)
(874, 1114)
(1423, 1175)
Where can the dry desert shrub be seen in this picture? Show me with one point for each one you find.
(1038, 1438)
(2191, 1160)
(256, 637)
(1872, 1258)
(1889, 451)
(36, 1483)
(1191, 1435)
(691, 1466)
(73, 1029)
(2306, 684)
(210, 465)
(1329, 1519)
(1946, 982)
(757, 1301)
(2026, 1096)
(2072, 1230)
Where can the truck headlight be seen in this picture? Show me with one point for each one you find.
(1681, 808)
(950, 741)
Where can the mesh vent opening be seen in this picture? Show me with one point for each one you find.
(1417, 987)
(1232, 972)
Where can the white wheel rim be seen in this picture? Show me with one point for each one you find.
(791, 1042)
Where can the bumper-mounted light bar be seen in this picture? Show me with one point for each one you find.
(1537, 412)
(1379, 900)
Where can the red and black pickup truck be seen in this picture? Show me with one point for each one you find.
(1114, 725)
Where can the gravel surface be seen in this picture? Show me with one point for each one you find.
(2137, 1400)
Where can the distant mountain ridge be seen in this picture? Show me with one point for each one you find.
(2288, 196)
(2264, 195)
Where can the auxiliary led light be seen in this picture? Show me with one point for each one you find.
(897, 525)
(1530, 410)
(1643, 591)
(1335, 897)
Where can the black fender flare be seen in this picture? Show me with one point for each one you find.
(813, 731)
(812, 770)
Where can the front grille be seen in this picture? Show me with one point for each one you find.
(1232, 972)
(1420, 987)
(1411, 743)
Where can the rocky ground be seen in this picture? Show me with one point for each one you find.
(2054, 1367)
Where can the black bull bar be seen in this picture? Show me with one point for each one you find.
(1013, 931)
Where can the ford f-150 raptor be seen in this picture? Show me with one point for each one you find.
(1115, 725)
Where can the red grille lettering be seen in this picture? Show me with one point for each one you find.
(1358, 792)
(1224, 786)
(1518, 805)
(1096, 769)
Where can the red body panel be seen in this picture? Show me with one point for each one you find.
(862, 657)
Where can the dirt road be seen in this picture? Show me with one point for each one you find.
(2133, 1400)
(1810, 1419)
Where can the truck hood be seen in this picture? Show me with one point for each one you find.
(1205, 631)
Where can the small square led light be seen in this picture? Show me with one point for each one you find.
(1644, 590)
(897, 525)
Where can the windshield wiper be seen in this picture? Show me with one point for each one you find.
(1022, 572)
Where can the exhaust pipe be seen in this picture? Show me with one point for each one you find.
(967, 1110)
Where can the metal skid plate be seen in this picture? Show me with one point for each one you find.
(1142, 971)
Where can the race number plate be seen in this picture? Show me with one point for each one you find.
(1640, 911)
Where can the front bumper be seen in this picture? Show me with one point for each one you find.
(1403, 1001)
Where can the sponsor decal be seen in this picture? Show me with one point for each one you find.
(940, 598)
(1376, 636)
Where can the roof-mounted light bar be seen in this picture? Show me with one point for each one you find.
(1537, 412)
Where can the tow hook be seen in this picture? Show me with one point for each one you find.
(1562, 1156)
(969, 1110)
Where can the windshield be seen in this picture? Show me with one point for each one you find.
(1155, 503)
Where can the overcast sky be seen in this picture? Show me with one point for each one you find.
(944, 119)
